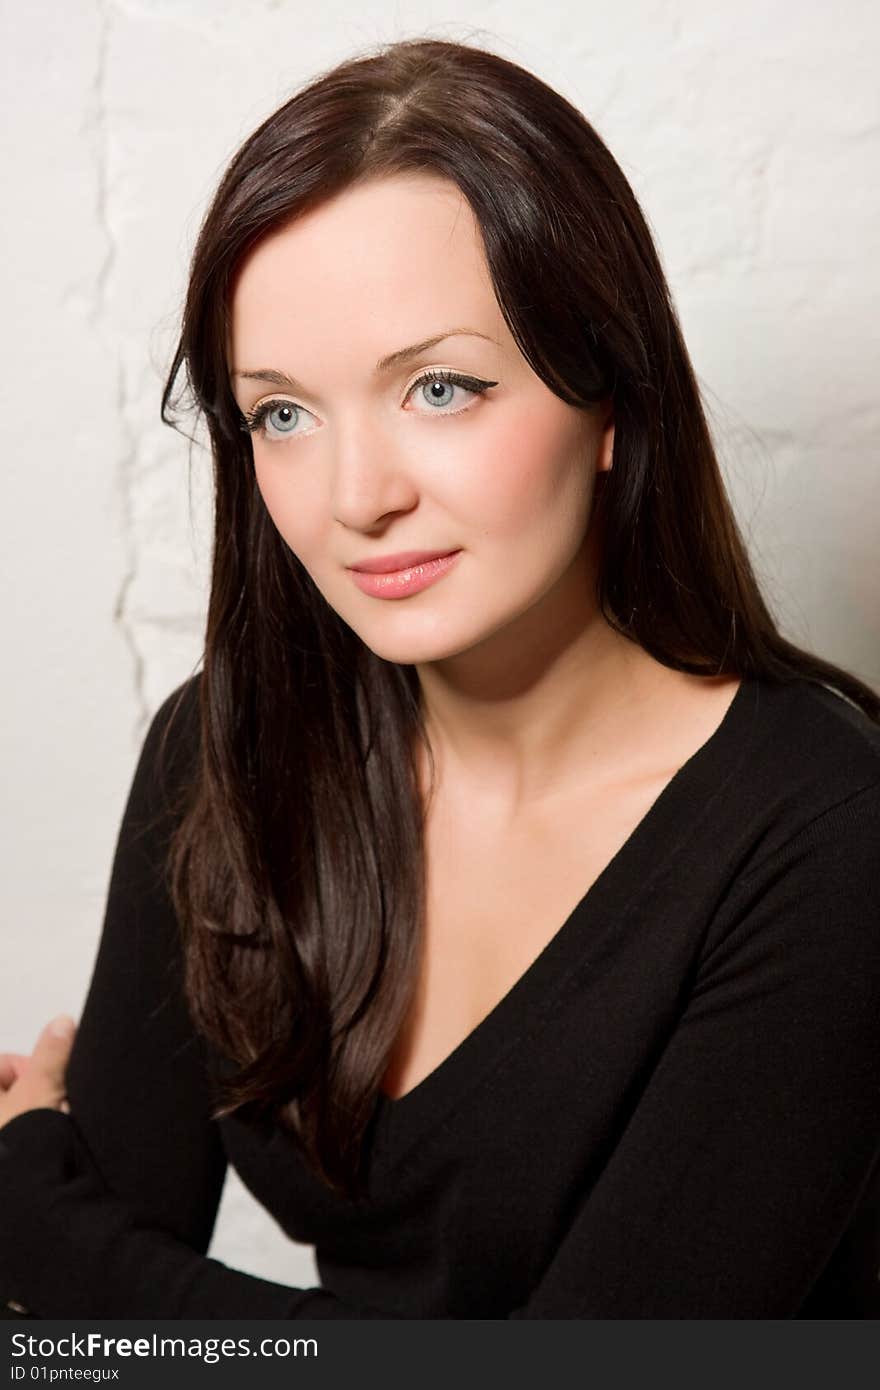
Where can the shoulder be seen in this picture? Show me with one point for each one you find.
(169, 753)
(177, 720)
(803, 753)
(182, 703)
(810, 724)
(794, 840)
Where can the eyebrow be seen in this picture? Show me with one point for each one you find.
(385, 364)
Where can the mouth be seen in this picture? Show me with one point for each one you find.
(405, 559)
(408, 579)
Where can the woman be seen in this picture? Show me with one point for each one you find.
(501, 897)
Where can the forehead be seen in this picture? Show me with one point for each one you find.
(383, 263)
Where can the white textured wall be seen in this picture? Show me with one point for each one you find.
(751, 134)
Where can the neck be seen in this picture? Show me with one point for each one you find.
(555, 697)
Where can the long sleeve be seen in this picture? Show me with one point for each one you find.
(110, 1210)
(72, 1249)
(137, 1072)
(758, 1134)
(750, 1149)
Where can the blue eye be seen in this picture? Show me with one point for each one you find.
(434, 391)
(289, 412)
(255, 420)
(436, 384)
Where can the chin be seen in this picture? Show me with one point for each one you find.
(419, 639)
(400, 632)
(413, 652)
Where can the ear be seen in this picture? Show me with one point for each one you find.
(605, 454)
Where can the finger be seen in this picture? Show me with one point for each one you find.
(48, 1063)
(12, 1066)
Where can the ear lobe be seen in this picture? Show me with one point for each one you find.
(606, 450)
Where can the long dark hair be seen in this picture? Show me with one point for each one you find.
(296, 866)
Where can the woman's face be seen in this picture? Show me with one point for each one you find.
(357, 462)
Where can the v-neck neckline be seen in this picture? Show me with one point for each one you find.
(684, 798)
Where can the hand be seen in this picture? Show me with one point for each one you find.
(38, 1081)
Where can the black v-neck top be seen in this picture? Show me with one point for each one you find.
(674, 1112)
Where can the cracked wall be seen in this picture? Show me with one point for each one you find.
(753, 144)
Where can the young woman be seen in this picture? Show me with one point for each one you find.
(501, 898)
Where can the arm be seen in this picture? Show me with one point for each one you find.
(738, 1173)
(139, 1150)
(136, 1078)
(759, 1130)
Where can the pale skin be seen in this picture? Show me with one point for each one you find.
(37, 1081)
(552, 735)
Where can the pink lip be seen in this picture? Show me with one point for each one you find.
(385, 564)
(399, 583)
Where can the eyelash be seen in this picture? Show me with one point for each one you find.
(254, 420)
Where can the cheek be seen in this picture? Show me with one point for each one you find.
(294, 512)
(536, 473)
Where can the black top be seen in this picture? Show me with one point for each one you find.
(674, 1113)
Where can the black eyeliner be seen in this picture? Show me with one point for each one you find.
(252, 422)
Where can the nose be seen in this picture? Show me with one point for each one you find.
(370, 479)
